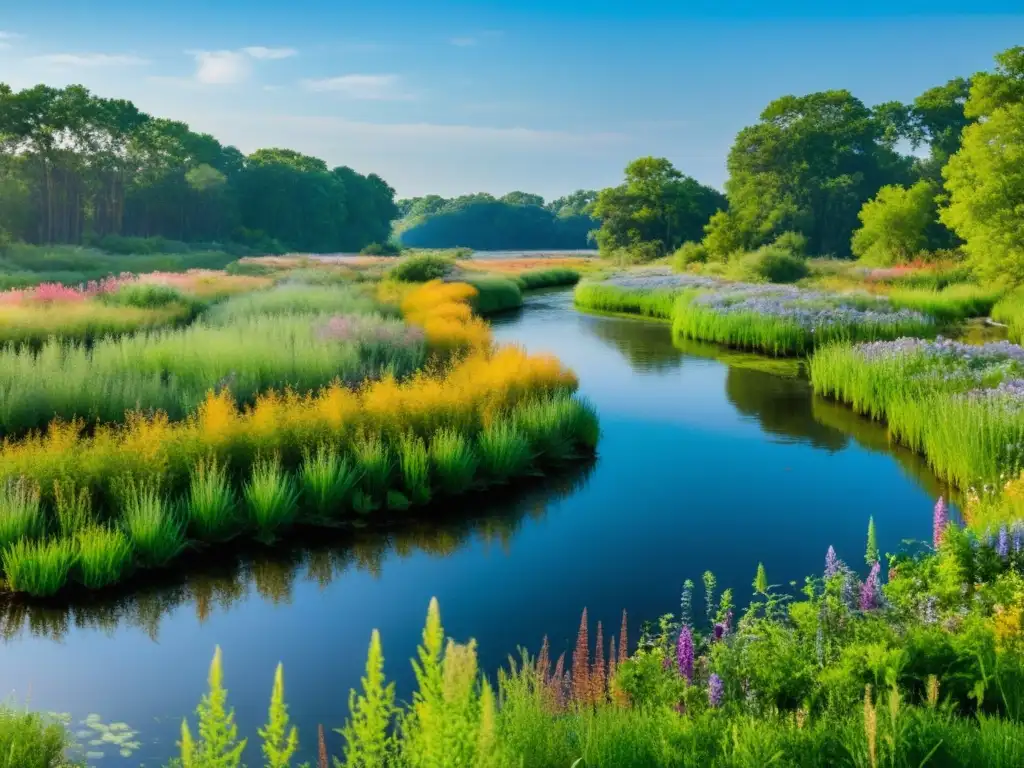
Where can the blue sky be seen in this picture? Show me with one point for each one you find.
(455, 97)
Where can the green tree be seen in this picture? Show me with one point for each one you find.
(523, 198)
(657, 205)
(985, 178)
(895, 224)
(280, 743)
(367, 743)
(218, 745)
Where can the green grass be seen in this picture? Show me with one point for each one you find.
(104, 555)
(327, 480)
(557, 428)
(601, 297)
(292, 299)
(955, 302)
(39, 568)
(453, 461)
(504, 452)
(212, 510)
(72, 507)
(270, 498)
(422, 267)
(547, 278)
(21, 516)
(1010, 312)
(494, 294)
(154, 528)
(374, 463)
(30, 740)
(414, 463)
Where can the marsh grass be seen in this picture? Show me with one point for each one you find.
(955, 302)
(601, 297)
(494, 294)
(414, 463)
(328, 480)
(453, 461)
(1010, 312)
(212, 511)
(294, 299)
(72, 506)
(557, 428)
(39, 568)
(504, 452)
(535, 279)
(30, 740)
(21, 516)
(104, 555)
(270, 497)
(153, 525)
(375, 463)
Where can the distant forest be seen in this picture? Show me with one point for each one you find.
(76, 168)
(518, 220)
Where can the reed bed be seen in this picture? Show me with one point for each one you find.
(229, 473)
(494, 294)
(536, 279)
(656, 303)
(294, 299)
(960, 405)
(84, 320)
(172, 370)
(949, 304)
(1010, 312)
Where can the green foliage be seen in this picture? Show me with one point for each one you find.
(1010, 311)
(414, 463)
(39, 568)
(453, 461)
(689, 253)
(157, 535)
(504, 452)
(547, 278)
(954, 302)
(104, 555)
(656, 205)
(270, 497)
(381, 249)
(794, 242)
(294, 299)
(145, 295)
(895, 224)
(494, 294)
(72, 507)
(218, 745)
(422, 267)
(328, 480)
(606, 297)
(773, 264)
(280, 742)
(29, 740)
(368, 743)
(871, 551)
(20, 514)
(761, 580)
(422, 727)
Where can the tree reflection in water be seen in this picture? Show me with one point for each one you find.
(216, 584)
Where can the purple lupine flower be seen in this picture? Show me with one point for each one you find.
(728, 621)
(716, 690)
(940, 519)
(684, 653)
(831, 563)
(1003, 543)
(848, 594)
(869, 590)
(1018, 537)
(719, 630)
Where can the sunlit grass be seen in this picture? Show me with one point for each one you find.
(104, 554)
(212, 511)
(20, 514)
(328, 480)
(1010, 312)
(270, 497)
(453, 460)
(39, 568)
(155, 530)
(602, 297)
(955, 302)
(504, 452)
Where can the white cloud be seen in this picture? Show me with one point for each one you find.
(90, 60)
(363, 87)
(221, 67)
(261, 52)
(464, 42)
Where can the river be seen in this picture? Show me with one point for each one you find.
(708, 461)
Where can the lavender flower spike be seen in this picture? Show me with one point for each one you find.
(1003, 542)
(716, 690)
(869, 594)
(684, 654)
(940, 520)
(831, 563)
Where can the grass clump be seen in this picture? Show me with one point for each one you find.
(602, 297)
(504, 452)
(327, 479)
(536, 279)
(212, 513)
(414, 463)
(30, 740)
(72, 505)
(21, 516)
(954, 302)
(270, 498)
(558, 428)
(1010, 312)
(154, 528)
(453, 461)
(374, 464)
(422, 267)
(39, 568)
(494, 294)
(104, 555)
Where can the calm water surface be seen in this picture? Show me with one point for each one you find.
(707, 461)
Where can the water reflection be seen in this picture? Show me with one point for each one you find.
(272, 574)
(647, 346)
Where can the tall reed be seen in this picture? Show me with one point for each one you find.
(328, 480)
(104, 554)
(39, 568)
(212, 512)
(20, 514)
(271, 497)
(155, 529)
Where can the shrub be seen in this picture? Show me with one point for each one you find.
(144, 295)
(381, 249)
(689, 253)
(547, 278)
(421, 268)
(328, 480)
(794, 242)
(270, 497)
(104, 554)
(775, 265)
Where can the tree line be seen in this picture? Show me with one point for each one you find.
(940, 175)
(518, 220)
(77, 168)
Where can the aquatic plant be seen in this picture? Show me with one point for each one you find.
(453, 460)
(270, 497)
(608, 297)
(20, 513)
(156, 532)
(374, 463)
(414, 464)
(327, 479)
(104, 554)
(211, 502)
(72, 506)
(504, 452)
(39, 568)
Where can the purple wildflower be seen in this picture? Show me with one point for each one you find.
(831, 563)
(684, 653)
(1003, 542)
(940, 519)
(716, 690)
(849, 590)
(869, 596)
(1018, 537)
(719, 630)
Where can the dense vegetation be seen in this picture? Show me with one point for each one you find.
(77, 168)
(516, 221)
